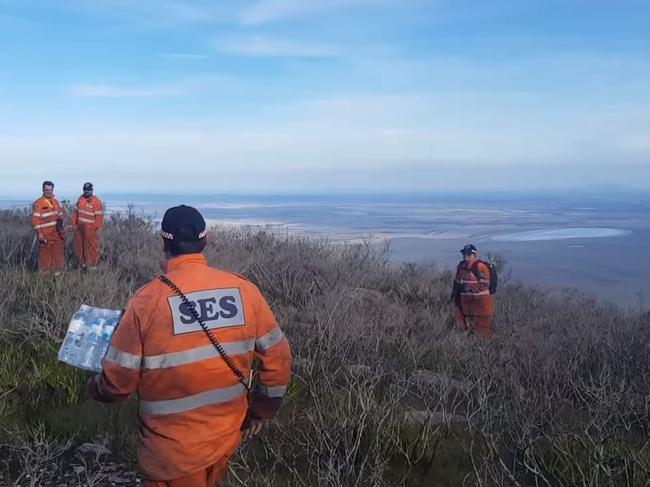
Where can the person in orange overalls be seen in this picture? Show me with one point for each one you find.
(194, 407)
(87, 221)
(474, 308)
(47, 221)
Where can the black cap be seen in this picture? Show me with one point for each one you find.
(183, 224)
(88, 186)
(468, 249)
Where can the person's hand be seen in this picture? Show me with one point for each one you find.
(42, 241)
(254, 427)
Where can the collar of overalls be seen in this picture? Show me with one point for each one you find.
(183, 260)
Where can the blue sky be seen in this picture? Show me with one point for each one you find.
(319, 95)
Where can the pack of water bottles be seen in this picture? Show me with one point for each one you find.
(89, 334)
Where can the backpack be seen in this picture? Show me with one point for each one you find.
(494, 278)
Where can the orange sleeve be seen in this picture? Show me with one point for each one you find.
(36, 217)
(75, 214)
(272, 351)
(99, 213)
(120, 374)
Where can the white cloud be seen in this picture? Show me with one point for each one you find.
(265, 11)
(177, 88)
(165, 12)
(108, 91)
(184, 56)
(264, 46)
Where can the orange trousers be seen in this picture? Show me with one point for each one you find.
(209, 477)
(481, 325)
(86, 245)
(50, 256)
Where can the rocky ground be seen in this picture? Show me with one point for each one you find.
(91, 465)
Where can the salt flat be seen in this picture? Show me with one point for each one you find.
(594, 242)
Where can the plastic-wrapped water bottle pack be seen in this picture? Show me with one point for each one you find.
(89, 334)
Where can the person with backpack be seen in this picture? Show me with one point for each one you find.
(87, 221)
(187, 344)
(474, 286)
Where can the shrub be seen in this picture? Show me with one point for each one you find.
(384, 392)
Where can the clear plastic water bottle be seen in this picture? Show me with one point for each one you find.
(88, 337)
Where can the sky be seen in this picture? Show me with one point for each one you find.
(269, 96)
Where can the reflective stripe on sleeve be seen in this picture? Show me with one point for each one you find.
(480, 293)
(123, 359)
(272, 391)
(267, 341)
(175, 359)
(44, 225)
(86, 220)
(189, 403)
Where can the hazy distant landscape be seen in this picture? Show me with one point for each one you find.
(592, 241)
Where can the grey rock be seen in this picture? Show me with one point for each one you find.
(435, 418)
(365, 293)
(434, 379)
(116, 479)
(94, 448)
(359, 370)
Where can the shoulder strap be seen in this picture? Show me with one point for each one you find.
(192, 308)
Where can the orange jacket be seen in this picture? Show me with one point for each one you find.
(191, 404)
(88, 211)
(46, 214)
(473, 297)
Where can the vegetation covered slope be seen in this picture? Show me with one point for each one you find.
(383, 393)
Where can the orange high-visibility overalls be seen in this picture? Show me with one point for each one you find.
(88, 218)
(192, 405)
(474, 305)
(47, 220)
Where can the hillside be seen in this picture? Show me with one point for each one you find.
(383, 393)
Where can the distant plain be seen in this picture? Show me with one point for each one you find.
(597, 242)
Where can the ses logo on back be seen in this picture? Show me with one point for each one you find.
(217, 308)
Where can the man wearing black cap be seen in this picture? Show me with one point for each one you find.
(87, 221)
(186, 344)
(474, 308)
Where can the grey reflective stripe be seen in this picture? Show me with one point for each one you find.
(188, 403)
(86, 220)
(123, 359)
(99, 213)
(483, 281)
(38, 214)
(174, 359)
(49, 213)
(480, 293)
(272, 391)
(44, 225)
(267, 341)
(90, 213)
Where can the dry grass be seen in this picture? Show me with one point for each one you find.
(384, 393)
